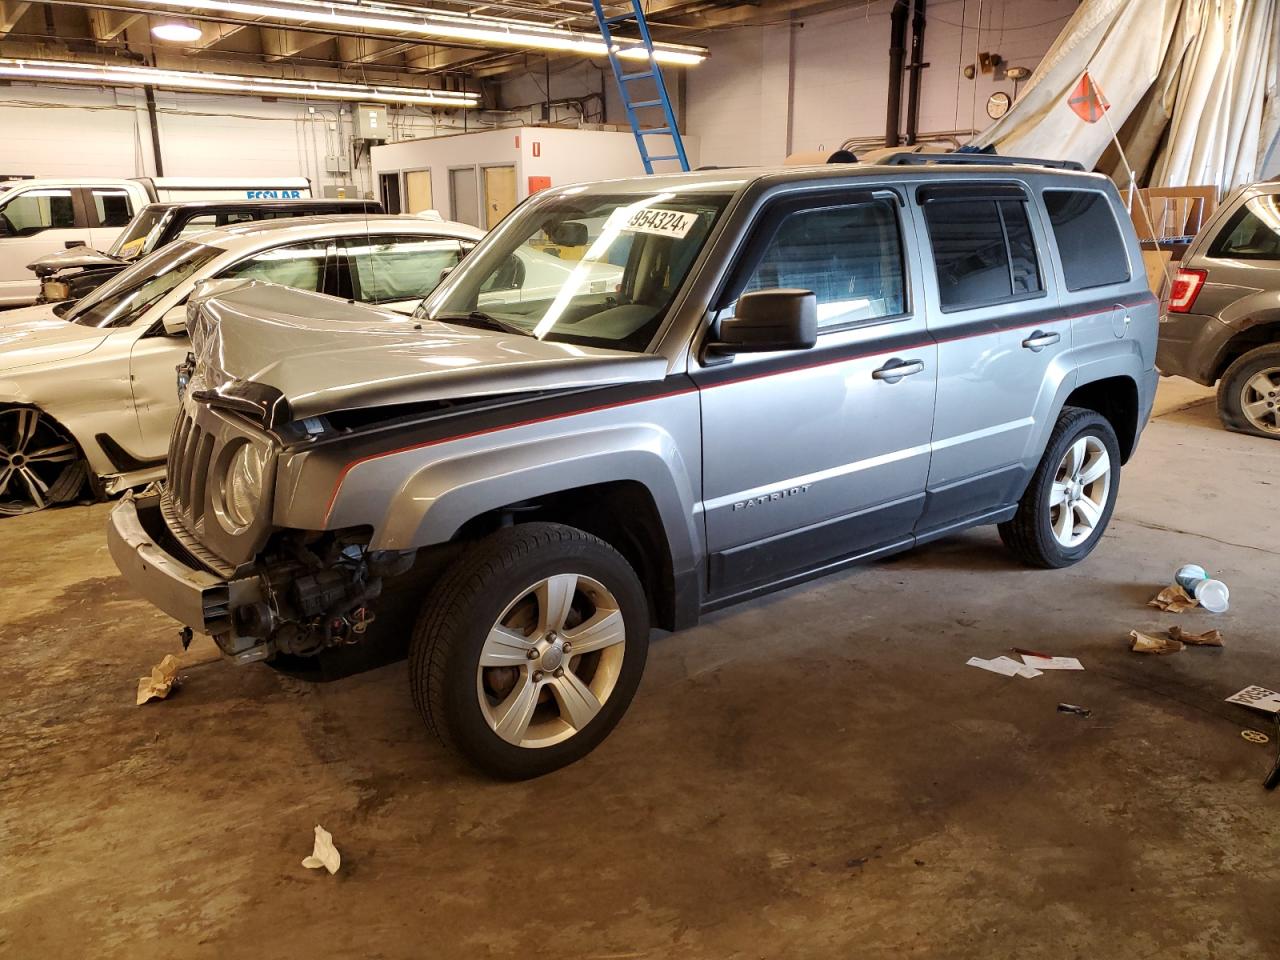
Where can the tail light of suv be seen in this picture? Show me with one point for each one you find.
(1186, 287)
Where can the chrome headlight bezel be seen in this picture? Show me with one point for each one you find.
(241, 486)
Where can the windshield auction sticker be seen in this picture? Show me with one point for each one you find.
(664, 223)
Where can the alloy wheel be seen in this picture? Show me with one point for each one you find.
(35, 456)
(551, 661)
(1260, 400)
(1078, 497)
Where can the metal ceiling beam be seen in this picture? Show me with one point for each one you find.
(11, 12)
(212, 34)
(283, 44)
(108, 24)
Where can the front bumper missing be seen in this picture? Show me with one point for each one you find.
(156, 565)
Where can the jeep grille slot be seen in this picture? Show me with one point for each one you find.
(201, 477)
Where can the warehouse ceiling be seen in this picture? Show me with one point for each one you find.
(447, 43)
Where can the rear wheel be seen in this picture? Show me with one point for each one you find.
(1068, 503)
(530, 649)
(1249, 394)
(40, 464)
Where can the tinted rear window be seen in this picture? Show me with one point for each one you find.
(1088, 237)
(982, 250)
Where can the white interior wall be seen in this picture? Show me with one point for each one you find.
(57, 131)
(825, 77)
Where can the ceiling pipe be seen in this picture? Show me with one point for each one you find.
(914, 70)
(897, 51)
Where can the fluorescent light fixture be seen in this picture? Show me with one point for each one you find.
(123, 75)
(178, 31)
(391, 20)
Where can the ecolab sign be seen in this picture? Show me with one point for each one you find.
(273, 194)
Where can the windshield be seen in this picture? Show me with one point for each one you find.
(139, 237)
(123, 298)
(599, 270)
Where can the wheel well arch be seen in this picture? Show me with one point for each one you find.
(1116, 399)
(1259, 335)
(27, 405)
(622, 513)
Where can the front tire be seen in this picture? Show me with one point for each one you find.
(1069, 501)
(1249, 394)
(40, 464)
(530, 649)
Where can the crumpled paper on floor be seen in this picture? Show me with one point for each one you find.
(1173, 599)
(164, 677)
(1145, 643)
(1210, 638)
(325, 853)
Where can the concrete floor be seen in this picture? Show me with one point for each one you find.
(816, 774)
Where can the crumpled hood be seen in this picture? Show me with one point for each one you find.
(75, 258)
(325, 354)
(32, 335)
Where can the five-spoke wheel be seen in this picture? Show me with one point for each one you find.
(551, 661)
(530, 648)
(1249, 394)
(39, 464)
(1068, 502)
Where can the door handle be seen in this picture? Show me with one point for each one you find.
(72, 244)
(896, 369)
(1039, 340)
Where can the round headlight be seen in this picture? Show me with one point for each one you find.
(243, 490)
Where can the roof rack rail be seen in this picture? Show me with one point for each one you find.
(976, 159)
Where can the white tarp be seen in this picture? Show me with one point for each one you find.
(1206, 69)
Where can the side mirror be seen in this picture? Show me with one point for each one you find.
(174, 321)
(767, 320)
(571, 233)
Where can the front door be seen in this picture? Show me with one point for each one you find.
(812, 458)
(33, 224)
(153, 366)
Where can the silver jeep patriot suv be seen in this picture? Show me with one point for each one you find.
(743, 379)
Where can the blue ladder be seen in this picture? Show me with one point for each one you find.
(667, 128)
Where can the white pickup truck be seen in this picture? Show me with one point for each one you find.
(39, 217)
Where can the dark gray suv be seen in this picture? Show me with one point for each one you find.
(1223, 320)
(749, 378)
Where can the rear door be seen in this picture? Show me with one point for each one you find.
(34, 223)
(109, 210)
(397, 272)
(1001, 344)
(813, 457)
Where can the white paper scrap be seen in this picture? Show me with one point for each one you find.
(325, 853)
(1052, 663)
(1005, 666)
(1259, 698)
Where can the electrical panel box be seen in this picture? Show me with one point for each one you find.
(371, 122)
(337, 163)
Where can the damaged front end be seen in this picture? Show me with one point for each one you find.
(313, 592)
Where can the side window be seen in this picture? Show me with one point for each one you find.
(35, 211)
(1252, 233)
(386, 269)
(983, 251)
(114, 207)
(299, 265)
(1088, 238)
(850, 256)
(200, 224)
